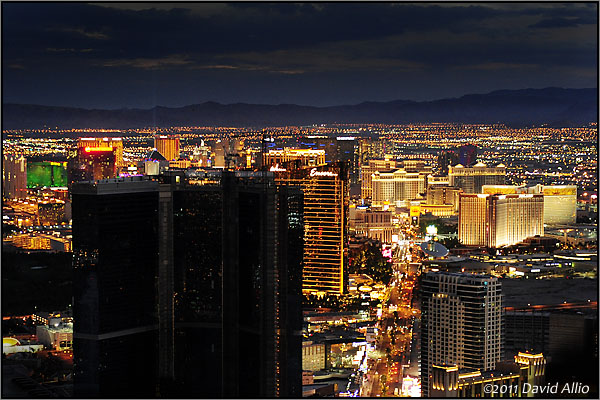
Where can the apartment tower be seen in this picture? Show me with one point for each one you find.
(461, 323)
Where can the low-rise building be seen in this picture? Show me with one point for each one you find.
(511, 378)
(314, 356)
(12, 345)
(374, 224)
(58, 336)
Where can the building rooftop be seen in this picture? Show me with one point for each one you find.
(522, 292)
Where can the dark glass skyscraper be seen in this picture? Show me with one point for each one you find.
(467, 155)
(227, 251)
(115, 240)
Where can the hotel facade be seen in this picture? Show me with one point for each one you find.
(494, 220)
(461, 323)
(471, 179)
(560, 201)
(326, 191)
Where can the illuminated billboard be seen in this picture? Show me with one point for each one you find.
(415, 211)
(46, 173)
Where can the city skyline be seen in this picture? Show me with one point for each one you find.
(140, 55)
(305, 257)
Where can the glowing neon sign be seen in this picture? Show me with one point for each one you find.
(314, 172)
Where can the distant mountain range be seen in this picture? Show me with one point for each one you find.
(552, 106)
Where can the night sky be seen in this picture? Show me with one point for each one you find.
(103, 55)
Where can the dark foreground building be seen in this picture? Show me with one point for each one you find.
(115, 270)
(219, 265)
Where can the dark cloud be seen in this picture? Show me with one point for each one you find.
(247, 26)
(559, 23)
(292, 44)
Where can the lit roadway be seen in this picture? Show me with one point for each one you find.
(385, 367)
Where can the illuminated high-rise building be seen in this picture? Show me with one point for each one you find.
(168, 146)
(365, 153)
(499, 220)
(114, 142)
(390, 187)
(342, 148)
(325, 191)
(229, 153)
(369, 168)
(443, 195)
(373, 148)
(325, 143)
(14, 176)
(307, 157)
(216, 311)
(560, 201)
(461, 323)
(96, 163)
(47, 174)
(471, 179)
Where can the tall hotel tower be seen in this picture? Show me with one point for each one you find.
(167, 146)
(14, 177)
(115, 144)
(187, 286)
(325, 191)
(495, 220)
(471, 179)
(461, 323)
(115, 267)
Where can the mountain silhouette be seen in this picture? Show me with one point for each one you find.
(552, 106)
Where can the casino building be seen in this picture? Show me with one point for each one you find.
(495, 220)
(326, 202)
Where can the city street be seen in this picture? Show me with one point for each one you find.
(392, 359)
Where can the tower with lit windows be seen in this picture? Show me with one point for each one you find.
(471, 179)
(14, 176)
(168, 146)
(325, 191)
(560, 201)
(113, 142)
(97, 163)
(496, 220)
(461, 323)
